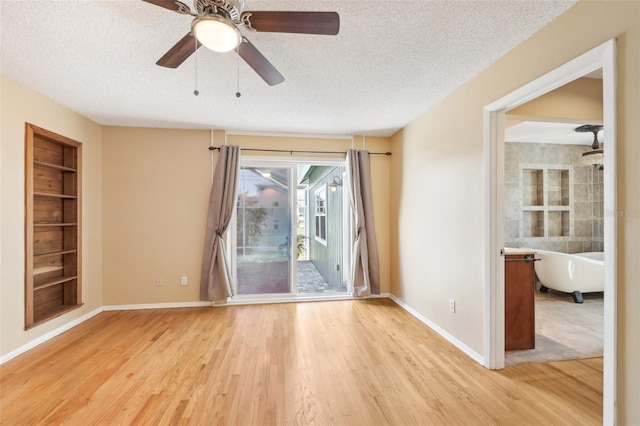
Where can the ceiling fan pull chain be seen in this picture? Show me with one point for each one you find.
(196, 92)
(238, 94)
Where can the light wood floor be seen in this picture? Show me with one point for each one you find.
(340, 362)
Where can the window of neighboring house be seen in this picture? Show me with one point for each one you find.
(321, 214)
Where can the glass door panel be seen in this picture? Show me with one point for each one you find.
(263, 231)
(322, 230)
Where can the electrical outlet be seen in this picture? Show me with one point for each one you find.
(452, 305)
(184, 281)
(159, 282)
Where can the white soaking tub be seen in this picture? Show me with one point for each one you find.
(574, 273)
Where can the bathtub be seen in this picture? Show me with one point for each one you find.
(575, 273)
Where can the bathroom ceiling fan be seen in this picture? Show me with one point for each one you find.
(217, 24)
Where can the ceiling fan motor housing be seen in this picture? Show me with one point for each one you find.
(231, 9)
(593, 128)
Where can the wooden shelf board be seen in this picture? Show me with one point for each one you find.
(53, 195)
(52, 313)
(54, 253)
(43, 225)
(53, 281)
(45, 269)
(54, 166)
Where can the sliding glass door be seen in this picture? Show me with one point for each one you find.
(291, 229)
(263, 230)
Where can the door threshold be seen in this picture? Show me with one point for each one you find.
(292, 298)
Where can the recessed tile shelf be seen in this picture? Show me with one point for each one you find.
(546, 201)
(558, 188)
(559, 224)
(532, 187)
(533, 224)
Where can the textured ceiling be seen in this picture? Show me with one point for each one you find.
(549, 132)
(389, 63)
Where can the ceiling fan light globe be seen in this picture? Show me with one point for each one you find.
(216, 34)
(593, 157)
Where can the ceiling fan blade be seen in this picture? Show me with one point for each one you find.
(179, 52)
(326, 23)
(175, 5)
(259, 63)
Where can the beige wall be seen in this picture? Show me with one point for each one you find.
(155, 194)
(155, 203)
(437, 185)
(20, 105)
(579, 100)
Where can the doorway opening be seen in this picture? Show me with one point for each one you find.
(553, 208)
(290, 229)
(601, 57)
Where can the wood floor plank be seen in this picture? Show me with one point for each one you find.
(329, 363)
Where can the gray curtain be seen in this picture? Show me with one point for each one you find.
(215, 280)
(365, 267)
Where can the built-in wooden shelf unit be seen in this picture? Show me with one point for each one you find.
(53, 177)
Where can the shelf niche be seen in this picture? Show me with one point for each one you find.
(53, 244)
(546, 202)
(533, 224)
(532, 187)
(558, 187)
(559, 223)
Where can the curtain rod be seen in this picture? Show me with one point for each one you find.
(292, 151)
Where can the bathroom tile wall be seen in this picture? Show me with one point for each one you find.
(574, 222)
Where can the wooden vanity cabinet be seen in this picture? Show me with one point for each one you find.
(519, 301)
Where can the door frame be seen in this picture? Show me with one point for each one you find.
(602, 57)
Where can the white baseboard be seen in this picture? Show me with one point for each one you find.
(457, 343)
(50, 335)
(167, 305)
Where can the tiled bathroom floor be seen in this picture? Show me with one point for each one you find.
(564, 330)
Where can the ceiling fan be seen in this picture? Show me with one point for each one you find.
(217, 26)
